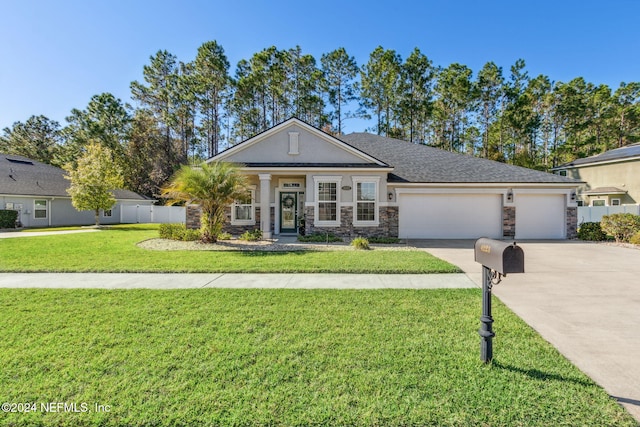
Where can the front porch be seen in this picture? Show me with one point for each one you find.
(288, 205)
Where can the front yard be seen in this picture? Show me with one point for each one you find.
(115, 250)
(283, 357)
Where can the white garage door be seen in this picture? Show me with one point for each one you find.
(540, 216)
(450, 216)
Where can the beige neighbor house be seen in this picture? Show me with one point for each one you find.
(367, 185)
(610, 179)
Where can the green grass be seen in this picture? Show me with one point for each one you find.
(115, 250)
(284, 357)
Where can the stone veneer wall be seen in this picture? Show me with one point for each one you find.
(509, 222)
(572, 222)
(389, 219)
(193, 217)
(193, 220)
(237, 230)
(388, 224)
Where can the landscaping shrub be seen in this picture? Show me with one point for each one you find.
(251, 236)
(635, 239)
(8, 218)
(319, 238)
(360, 243)
(166, 231)
(191, 235)
(591, 231)
(178, 232)
(384, 240)
(621, 226)
(224, 236)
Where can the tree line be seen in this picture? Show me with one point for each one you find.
(186, 111)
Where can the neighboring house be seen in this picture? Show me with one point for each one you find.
(610, 179)
(368, 185)
(39, 193)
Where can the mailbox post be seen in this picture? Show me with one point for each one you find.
(497, 258)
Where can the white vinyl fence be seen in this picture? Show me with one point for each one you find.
(595, 213)
(152, 214)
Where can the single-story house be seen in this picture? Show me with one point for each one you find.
(367, 185)
(610, 179)
(38, 192)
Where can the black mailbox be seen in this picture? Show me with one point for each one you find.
(499, 256)
(498, 259)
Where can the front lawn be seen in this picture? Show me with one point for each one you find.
(282, 357)
(115, 250)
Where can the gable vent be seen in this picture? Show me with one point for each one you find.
(293, 143)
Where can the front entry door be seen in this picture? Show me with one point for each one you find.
(288, 212)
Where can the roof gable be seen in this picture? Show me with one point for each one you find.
(296, 143)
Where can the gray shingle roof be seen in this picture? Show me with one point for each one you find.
(424, 164)
(615, 154)
(21, 176)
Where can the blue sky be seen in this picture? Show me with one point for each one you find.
(55, 55)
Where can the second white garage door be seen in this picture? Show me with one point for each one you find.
(540, 216)
(450, 216)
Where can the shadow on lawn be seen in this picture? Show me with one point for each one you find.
(626, 400)
(130, 227)
(264, 254)
(540, 375)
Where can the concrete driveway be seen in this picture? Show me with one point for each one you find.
(584, 298)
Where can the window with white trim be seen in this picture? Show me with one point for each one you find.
(327, 201)
(243, 209)
(40, 209)
(597, 203)
(366, 201)
(615, 202)
(327, 210)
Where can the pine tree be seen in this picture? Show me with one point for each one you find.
(340, 71)
(38, 138)
(213, 86)
(380, 79)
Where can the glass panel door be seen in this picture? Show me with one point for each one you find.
(288, 212)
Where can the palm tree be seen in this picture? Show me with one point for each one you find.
(213, 186)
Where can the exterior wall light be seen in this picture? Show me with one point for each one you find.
(510, 196)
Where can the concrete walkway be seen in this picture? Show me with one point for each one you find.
(584, 298)
(273, 281)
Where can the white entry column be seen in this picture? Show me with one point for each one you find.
(265, 204)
